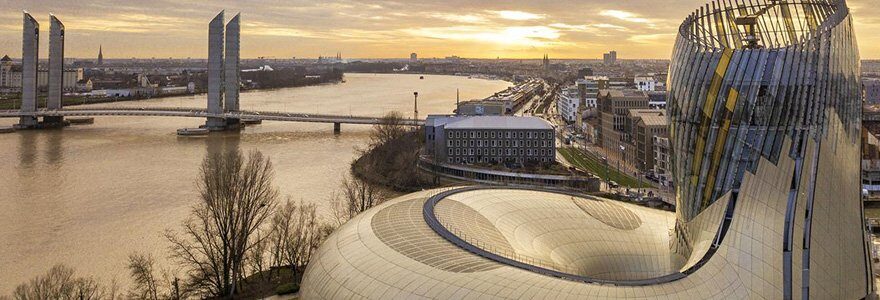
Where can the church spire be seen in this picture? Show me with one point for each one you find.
(100, 54)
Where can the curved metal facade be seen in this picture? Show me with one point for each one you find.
(764, 102)
(767, 118)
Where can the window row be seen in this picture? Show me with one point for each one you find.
(499, 143)
(499, 134)
(492, 160)
(506, 152)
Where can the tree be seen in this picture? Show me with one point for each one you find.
(61, 282)
(147, 284)
(390, 128)
(356, 197)
(237, 197)
(296, 233)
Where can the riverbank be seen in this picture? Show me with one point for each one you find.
(125, 180)
(15, 103)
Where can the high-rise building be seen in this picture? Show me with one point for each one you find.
(610, 58)
(764, 131)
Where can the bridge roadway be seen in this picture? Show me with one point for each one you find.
(201, 113)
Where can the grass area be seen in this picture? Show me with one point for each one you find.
(589, 162)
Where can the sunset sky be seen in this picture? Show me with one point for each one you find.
(379, 29)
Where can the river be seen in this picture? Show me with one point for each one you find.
(88, 196)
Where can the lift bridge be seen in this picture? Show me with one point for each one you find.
(222, 111)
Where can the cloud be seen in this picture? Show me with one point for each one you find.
(517, 15)
(624, 16)
(652, 38)
(266, 29)
(595, 28)
(130, 23)
(535, 36)
(466, 18)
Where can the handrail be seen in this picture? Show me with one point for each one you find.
(428, 213)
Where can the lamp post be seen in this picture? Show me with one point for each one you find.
(415, 105)
(622, 155)
(641, 172)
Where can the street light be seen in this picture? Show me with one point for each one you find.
(622, 154)
(415, 105)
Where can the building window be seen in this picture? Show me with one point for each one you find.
(450, 151)
(457, 151)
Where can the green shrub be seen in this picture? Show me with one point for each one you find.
(287, 288)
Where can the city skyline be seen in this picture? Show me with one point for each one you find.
(489, 29)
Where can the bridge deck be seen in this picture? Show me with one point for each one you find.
(201, 113)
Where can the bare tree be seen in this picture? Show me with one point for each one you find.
(149, 283)
(356, 197)
(297, 232)
(256, 259)
(145, 282)
(390, 128)
(60, 282)
(237, 197)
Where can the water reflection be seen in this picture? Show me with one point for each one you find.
(54, 150)
(26, 149)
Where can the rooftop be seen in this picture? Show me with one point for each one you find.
(623, 93)
(499, 122)
(651, 117)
